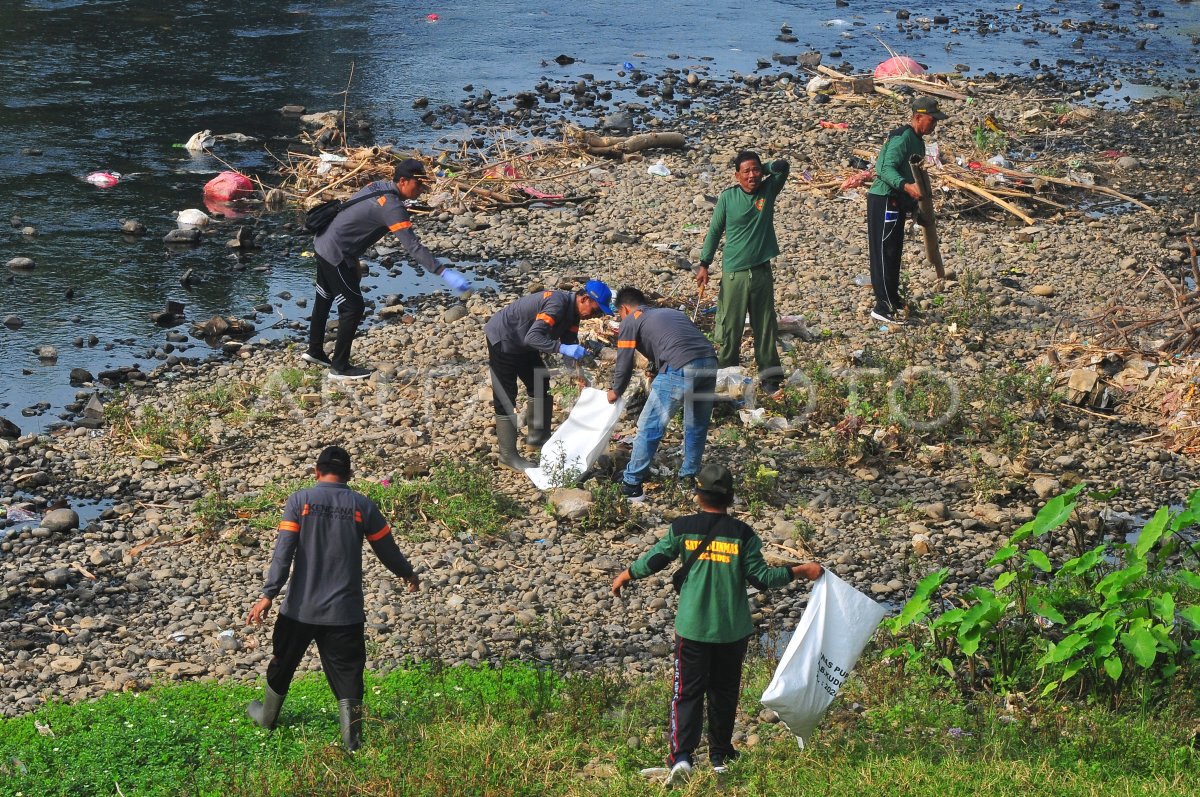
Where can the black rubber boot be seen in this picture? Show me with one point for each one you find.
(537, 430)
(350, 712)
(265, 712)
(506, 439)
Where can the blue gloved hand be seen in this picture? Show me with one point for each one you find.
(456, 280)
(572, 350)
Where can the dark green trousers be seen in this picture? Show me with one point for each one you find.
(753, 292)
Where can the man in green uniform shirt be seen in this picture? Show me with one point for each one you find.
(713, 625)
(891, 198)
(745, 216)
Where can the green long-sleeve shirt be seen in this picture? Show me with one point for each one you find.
(892, 167)
(747, 221)
(712, 603)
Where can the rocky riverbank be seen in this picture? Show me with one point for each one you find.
(154, 588)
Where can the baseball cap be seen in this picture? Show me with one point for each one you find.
(716, 479)
(601, 293)
(928, 105)
(334, 459)
(409, 167)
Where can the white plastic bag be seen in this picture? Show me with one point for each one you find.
(836, 626)
(574, 446)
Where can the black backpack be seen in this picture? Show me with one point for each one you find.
(321, 216)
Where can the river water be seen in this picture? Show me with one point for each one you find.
(119, 85)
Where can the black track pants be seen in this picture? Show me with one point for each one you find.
(885, 238)
(705, 670)
(343, 652)
(336, 286)
(528, 367)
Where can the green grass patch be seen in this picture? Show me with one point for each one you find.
(456, 498)
(521, 730)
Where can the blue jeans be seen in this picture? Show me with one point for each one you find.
(693, 387)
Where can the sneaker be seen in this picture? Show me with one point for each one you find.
(632, 492)
(316, 359)
(887, 318)
(680, 773)
(720, 764)
(351, 372)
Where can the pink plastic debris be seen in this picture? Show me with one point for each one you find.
(104, 179)
(898, 66)
(227, 187)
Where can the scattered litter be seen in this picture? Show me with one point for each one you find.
(228, 187)
(104, 179)
(825, 124)
(659, 169)
(18, 515)
(898, 66)
(192, 218)
(200, 141)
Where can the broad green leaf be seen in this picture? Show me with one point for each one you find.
(1188, 579)
(1004, 579)
(1141, 646)
(1082, 564)
(1086, 623)
(1050, 688)
(1072, 669)
(1064, 650)
(1192, 615)
(1055, 513)
(1105, 495)
(1003, 555)
(1038, 559)
(1113, 666)
(918, 605)
(1164, 607)
(949, 618)
(1185, 520)
(947, 666)
(1152, 532)
(1043, 607)
(968, 640)
(1119, 578)
(927, 585)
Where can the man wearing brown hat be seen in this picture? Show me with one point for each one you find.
(365, 217)
(719, 556)
(319, 546)
(891, 199)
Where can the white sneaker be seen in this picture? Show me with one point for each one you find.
(679, 774)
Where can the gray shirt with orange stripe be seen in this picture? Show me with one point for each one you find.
(358, 227)
(666, 337)
(540, 321)
(320, 544)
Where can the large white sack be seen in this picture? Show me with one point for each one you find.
(582, 438)
(836, 626)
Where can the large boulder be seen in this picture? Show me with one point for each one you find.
(60, 520)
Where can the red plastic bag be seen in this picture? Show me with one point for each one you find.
(898, 66)
(227, 187)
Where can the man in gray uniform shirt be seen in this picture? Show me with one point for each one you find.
(351, 233)
(685, 373)
(320, 545)
(517, 336)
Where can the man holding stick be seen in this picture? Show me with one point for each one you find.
(892, 197)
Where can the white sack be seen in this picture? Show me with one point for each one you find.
(581, 439)
(836, 626)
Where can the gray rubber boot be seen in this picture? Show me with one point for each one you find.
(266, 711)
(350, 712)
(536, 434)
(506, 439)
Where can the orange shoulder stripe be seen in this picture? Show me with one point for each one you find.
(400, 225)
(379, 535)
(287, 525)
(543, 317)
(626, 344)
(382, 201)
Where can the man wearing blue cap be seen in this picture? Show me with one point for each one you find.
(517, 336)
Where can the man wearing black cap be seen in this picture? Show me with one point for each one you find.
(543, 322)
(339, 246)
(720, 556)
(320, 545)
(890, 200)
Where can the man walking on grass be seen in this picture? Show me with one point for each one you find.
(745, 217)
(320, 546)
(719, 557)
(367, 216)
